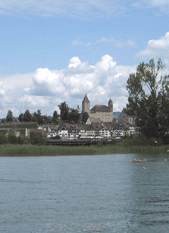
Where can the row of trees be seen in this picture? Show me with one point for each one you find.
(36, 138)
(35, 117)
(67, 114)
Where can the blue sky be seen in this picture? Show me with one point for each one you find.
(55, 51)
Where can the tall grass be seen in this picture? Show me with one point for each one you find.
(34, 150)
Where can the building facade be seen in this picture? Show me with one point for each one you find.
(102, 112)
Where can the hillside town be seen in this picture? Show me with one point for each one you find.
(100, 125)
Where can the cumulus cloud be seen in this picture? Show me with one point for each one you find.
(158, 47)
(46, 82)
(45, 89)
(102, 81)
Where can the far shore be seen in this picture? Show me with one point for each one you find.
(43, 150)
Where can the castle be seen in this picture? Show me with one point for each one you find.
(102, 112)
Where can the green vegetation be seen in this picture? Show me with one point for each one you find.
(36, 138)
(19, 126)
(68, 114)
(136, 145)
(148, 99)
(35, 146)
(9, 117)
(35, 150)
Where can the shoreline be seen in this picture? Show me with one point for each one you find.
(12, 150)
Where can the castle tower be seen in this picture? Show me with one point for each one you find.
(86, 105)
(110, 104)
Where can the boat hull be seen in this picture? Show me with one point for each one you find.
(139, 161)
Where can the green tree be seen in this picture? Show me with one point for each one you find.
(12, 138)
(37, 117)
(20, 118)
(74, 116)
(27, 116)
(9, 117)
(55, 117)
(85, 117)
(64, 111)
(149, 98)
(37, 138)
(3, 138)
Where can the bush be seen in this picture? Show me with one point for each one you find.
(3, 139)
(141, 140)
(165, 139)
(37, 138)
(22, 140)
(12, 138)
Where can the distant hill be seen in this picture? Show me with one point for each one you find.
(116, 115)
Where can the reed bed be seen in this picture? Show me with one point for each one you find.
(43, 150)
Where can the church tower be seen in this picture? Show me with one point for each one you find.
(110, 104)
(86, 105)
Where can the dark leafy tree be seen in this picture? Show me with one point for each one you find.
(12, 138)
(85, 117)
(55, 117)
(27, 116)
(74, 116)
(3, 138)
(20, 118)
(37, 117)
(47, 119)
(149, 98)
(64, 111)
(9, 117)
(37, 138)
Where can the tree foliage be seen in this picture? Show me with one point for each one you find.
(64, 111)
(37, 117)
(20, 118)
(9, 117)
(149, 98)
(85, 117)
(37, 138)
(55, 117)
(74, 116)
(12, 138)
(27, 116)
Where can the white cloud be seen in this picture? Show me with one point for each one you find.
(118, 43)
(77, 42)
(35, 101)
(46, 82)
(158, 47)
(46, 89)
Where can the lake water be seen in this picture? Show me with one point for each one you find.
(105, 193)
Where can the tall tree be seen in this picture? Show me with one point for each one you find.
(9, 117)
(27, 116)
(64, 111)
(20, 117)
(85, 116)
(149, 98)
(37, 117)
(55, 117)
(74, 115)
